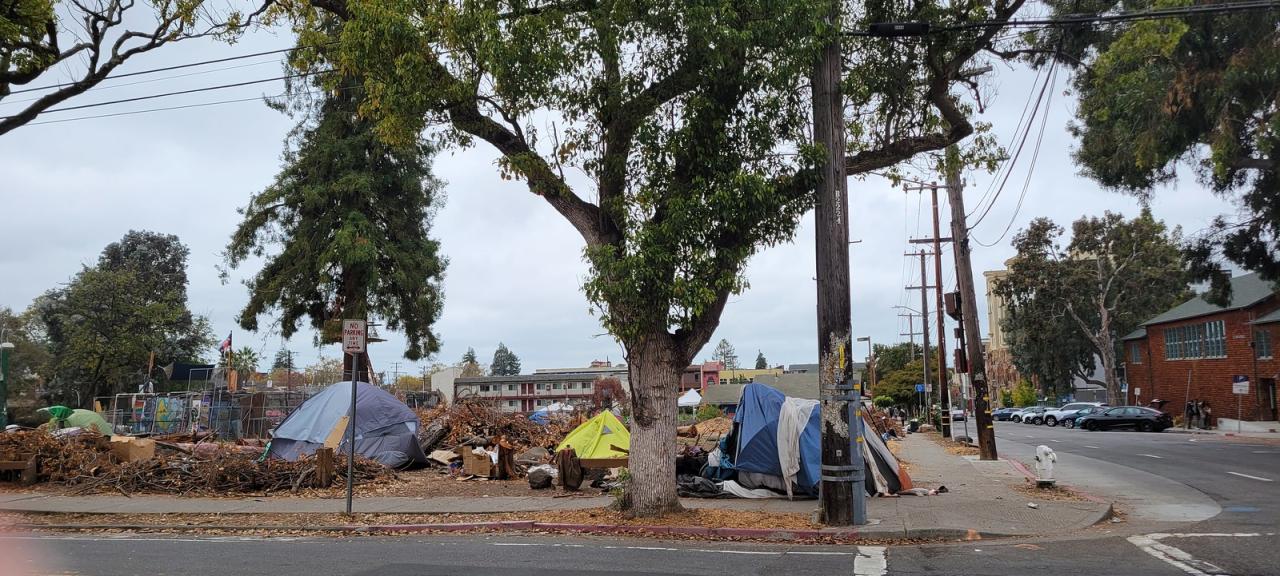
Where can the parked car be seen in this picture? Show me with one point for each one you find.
(1136, 417)
(1051, 417)
(1069, 420)
(957, 414)
(1033, 415)
(1004, 414)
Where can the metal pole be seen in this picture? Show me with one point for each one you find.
(943, 385)
(5, 347)
(351, 445)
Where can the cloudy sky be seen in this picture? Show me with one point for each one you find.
(67, 189)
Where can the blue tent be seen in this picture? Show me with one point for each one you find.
(386, 429)
(757, 437)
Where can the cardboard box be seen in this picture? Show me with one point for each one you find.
(130, 449)
(475, 464)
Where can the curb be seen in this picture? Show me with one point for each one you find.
(841, 535)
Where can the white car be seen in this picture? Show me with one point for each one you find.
(1051, 417)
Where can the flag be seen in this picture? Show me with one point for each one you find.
(225, 345)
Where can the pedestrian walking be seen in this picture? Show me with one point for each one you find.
(1206, 416)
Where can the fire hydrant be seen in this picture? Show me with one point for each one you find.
(1045, 457)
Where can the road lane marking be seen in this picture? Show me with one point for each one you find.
(1094, 447)
(870, 561)
(1174, 556)
(1152, 456)
(672, 549)
(1263, 452)
(1251, 477)
(1052, 440)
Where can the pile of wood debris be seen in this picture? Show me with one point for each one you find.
(476, 421)
(85, 462)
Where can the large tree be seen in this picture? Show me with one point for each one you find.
(689, 120)
(1198, 91)
(470, 364)
(103, 326)
(75, 45)
(761, 363)
(345, 228)
(1113, 275)
(505, 362)
(29, 359)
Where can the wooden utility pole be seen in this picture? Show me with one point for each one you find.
(924, 287)
(969, 309)
(842, 491)
(943, 387)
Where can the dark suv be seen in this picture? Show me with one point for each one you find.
(1135, 417)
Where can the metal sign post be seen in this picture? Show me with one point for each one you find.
(1239, 387)
(353, 342)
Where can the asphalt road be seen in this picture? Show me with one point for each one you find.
(1235, 533)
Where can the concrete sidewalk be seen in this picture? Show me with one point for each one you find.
(979, 502)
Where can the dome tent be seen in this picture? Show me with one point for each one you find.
(386, 429)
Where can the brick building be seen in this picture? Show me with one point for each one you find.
(1193, 352)
(699, 376)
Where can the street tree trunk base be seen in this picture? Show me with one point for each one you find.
(655, 384)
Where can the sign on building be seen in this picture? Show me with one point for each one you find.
(1239, 384)
(353, 336)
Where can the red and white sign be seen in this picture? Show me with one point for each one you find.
(353, 336)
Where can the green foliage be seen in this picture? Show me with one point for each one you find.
(505, 362)
(1006, 398)
(761, 363)
(726, 355)
(282, 360)
(1198, 91)
(470, 365)
(345, 230)
(245, 361)
(104, 324)
(1024, 394)
(707, 412)
(884, 401)
(1069, 304)
(29, 359)
(891, 358)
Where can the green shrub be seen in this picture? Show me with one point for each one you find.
(707, 412)
(883, 401)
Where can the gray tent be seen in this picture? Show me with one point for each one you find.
(386, 429)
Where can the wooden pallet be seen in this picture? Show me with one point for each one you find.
(27, 465)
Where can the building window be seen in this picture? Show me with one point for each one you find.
(1262, 343)
(586, 385)
(571, 386)
(542, 386)
(555, 385)
(1135, 353)
(484, 387)
(1203, 340)
(511, 403)
(511, 387)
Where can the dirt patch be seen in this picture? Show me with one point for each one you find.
(952, 447)
(1055, 493)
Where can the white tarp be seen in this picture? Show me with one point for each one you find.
(690, 399)
(792, 419)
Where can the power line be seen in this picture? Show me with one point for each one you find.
(182, 107)
(176, 67)
(177, 93)
(1022, 143)
(905, 29)
(108, 87)
(1026, 184)
(1031, 96)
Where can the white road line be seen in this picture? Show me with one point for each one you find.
(1263, 452)
(1251, 477)
(1174, 557)
(1094, 447)
(870, 561)
(1152, 456)
(1052, 440)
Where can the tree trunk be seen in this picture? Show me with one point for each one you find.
(1107, 352)
(654, 368)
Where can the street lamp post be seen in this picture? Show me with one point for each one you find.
(871, 364)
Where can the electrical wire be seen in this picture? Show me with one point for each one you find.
(182, 107)
(175, 67)
(99, 88)
(1026, 184)
(1154, 14)
(177, 93)
(1021, 144)
(1008, 165)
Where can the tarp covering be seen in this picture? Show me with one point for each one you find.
(767, 443)
(757, 446)
(63, 417)
(386, 429)
(690, 399)
(595, 438)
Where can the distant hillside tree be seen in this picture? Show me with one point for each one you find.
(726, 355)
(761, 363)
(505, 362)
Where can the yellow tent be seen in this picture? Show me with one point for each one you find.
(601, 441)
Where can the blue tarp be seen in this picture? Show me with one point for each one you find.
(757, 447)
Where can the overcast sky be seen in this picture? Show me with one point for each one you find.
(515, 271)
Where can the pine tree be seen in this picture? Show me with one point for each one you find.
(505, 362)
(471, 364)
(344, 228)
(761, 363)
(726, 355)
